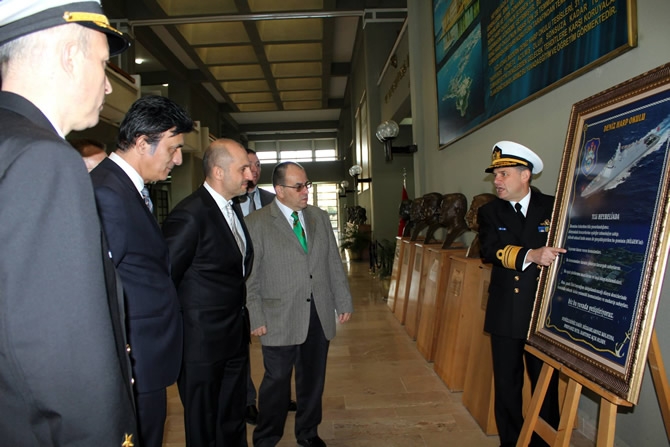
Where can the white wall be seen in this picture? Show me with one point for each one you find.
(542, 126)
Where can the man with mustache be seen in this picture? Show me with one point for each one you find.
(148, 147)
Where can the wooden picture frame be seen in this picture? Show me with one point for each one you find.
(598, 301)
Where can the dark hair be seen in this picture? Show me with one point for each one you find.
(279, 172)
(81, 143)
(250, 151)
(151, 116)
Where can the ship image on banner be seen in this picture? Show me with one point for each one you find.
(617, 169)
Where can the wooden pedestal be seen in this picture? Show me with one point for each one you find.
(453, 342)
(416, 289)
(478, 395)
(436, 266)
(395, 272)
(478, 390)
(404, 280)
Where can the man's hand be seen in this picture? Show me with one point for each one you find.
(544, 255)
(343, 318)
(260, 331)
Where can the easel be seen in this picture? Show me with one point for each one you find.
(608, 402)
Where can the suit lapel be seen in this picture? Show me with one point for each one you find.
(220, 221)
(284, 227)
(130, 188)
(535, 212)
(310, 223)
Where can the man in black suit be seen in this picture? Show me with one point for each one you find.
(148, 147)
(211, 256)
(64, 372)
(513, 233)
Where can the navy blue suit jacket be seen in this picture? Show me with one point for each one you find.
(141, 258)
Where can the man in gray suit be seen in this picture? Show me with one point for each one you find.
(296, 292)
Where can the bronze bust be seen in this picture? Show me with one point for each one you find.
(471, 218)
(427, 212)
(452, 217)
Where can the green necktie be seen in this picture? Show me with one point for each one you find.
(298, 230)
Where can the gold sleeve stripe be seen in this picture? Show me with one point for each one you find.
(508, 256)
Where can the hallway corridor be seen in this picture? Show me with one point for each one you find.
(380, 392)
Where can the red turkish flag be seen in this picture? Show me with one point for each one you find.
(401, 224)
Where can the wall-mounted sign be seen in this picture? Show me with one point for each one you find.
(495, 55)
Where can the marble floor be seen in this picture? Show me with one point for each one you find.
(380, 391)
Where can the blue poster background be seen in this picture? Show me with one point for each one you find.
(613, 204)
(536, 45)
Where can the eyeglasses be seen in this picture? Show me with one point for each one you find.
(299, 186)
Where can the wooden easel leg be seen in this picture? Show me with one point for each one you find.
(568, 414)
(533, 413)
(660, 379)
(606, 424)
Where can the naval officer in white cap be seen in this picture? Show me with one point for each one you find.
(513, 236)
(64, 371)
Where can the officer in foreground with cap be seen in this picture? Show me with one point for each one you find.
(513, 236)
(64, 371)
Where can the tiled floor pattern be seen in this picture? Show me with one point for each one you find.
(380, 392)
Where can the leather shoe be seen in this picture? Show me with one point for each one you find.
(292, 405)
(312, 442)
(251, 415)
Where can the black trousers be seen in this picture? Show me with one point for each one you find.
(151, 413)
(508, 376)
(274, 394)
(214, 398)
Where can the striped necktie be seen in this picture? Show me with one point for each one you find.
(232, 220)
(252, 204)
(147, 199)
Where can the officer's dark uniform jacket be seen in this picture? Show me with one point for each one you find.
(504, 243)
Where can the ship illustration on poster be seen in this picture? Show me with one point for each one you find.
(590, 156)
(617, 169)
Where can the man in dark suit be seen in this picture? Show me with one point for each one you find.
(256, 197)
(148, 147)
(297, 291)
(513, 233)
(211, 255)
(64, 373)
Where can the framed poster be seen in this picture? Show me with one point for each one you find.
(599, 299)
(493, 56)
